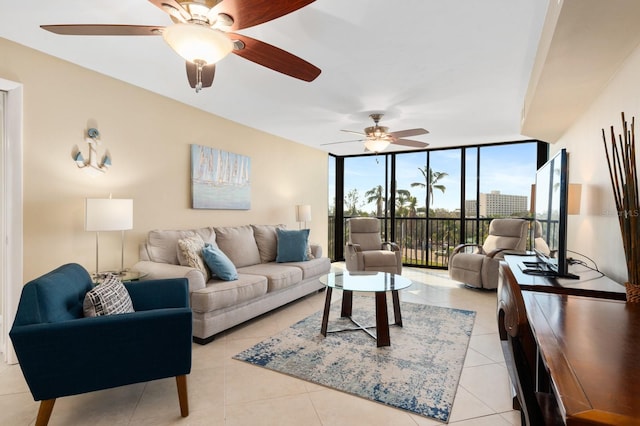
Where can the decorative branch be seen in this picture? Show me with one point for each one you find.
(624, 181)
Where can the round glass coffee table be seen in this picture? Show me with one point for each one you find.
(365, 281)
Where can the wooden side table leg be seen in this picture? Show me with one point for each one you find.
(396, 308)
(347, 303)
(325, 315)
(382, 319)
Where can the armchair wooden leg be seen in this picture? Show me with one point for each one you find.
(181, 381)
(44, 412)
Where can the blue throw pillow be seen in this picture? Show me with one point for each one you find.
(219, 263)
(292, 245)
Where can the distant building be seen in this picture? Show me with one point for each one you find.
(497, 204)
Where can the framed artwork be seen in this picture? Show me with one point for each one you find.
(219, 179)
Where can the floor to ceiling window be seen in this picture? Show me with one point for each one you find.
(430, 201)
(332, 207)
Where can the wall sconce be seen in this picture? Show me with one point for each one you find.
(108, 214)
(92, 165)
(303, 214)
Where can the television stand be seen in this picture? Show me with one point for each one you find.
(590, 283)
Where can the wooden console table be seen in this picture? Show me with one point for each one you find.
(590, 284)
(584, 351)
(589, 351)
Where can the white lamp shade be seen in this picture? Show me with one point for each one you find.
(376, 145)
(197, 42)
(303, 213)
(108, 214)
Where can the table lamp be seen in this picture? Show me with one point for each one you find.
(303, 214)
(108, 214)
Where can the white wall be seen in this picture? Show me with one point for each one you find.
(148, 137)
(596, 232)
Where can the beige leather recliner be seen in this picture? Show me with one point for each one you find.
(366, 251)
(480, 267)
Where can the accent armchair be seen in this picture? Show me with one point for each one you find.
(480, 268)
(62, 353)
(366, 251)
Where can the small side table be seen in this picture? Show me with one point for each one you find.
(125, 276)
(132, 275)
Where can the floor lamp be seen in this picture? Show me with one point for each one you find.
(108, 214)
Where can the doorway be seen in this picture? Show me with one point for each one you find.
(11, 237)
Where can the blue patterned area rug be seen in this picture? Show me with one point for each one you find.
(419, 372)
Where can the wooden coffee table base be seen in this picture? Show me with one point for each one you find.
(382, 316)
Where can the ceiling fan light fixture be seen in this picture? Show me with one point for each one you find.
(195, 42)
(376, 144)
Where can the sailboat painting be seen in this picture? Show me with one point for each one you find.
(219, 179)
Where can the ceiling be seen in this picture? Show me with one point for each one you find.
(458, 68)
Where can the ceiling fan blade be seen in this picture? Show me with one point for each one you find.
(208, 72)
(173, 8)
(104, 30)
(247, 13)
(275, 58)
(408, 132)
(356, 133)
(334, 143)
(409, 142)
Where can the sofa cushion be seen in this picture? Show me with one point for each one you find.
(108, 298)
(239, 244)
(162, 245)
(313, 267)
(219, 263)
(267, 241)
(292, 245)
(278, 275)
(190, 254)
(225, 294)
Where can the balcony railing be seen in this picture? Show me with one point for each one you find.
(429, 242)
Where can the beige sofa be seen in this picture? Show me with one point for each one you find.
(262, 284)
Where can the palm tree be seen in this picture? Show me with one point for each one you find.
(376, 195)
(413, 206)
(402, 198)
(430, 180)
(412, 210)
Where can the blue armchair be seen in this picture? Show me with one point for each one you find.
(62, 353)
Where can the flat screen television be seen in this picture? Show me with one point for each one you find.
(550, 209)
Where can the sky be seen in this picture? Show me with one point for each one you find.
(509, 169)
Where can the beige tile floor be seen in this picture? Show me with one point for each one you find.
(223, 391)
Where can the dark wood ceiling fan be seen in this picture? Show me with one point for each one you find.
(212, 20)
(377, 138)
